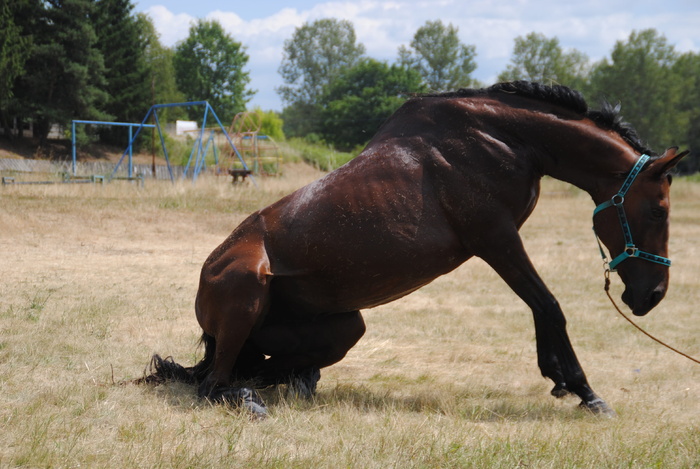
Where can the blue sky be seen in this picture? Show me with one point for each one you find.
(591, 26)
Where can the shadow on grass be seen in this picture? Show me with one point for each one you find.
(477, 405)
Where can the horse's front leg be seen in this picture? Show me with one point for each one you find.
(556, 357)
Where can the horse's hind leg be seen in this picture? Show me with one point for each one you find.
(230, 301)
(299, 349)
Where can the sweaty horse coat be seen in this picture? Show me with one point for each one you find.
(447, 177)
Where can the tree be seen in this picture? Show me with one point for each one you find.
(688, 68)
(161, 81)
(438, 55)
(14, 49)
(123, 47)
(537, 58)
(64, 77)
(313, 57)
(361, 98)
(209, 66)
(161, 71)
(15, 46)
(271, 124)
(640, 75)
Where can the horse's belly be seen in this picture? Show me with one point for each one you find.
(349, 287)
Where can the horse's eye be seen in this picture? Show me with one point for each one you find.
(659, 213)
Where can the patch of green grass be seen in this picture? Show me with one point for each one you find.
(320, 156)
(37, 305)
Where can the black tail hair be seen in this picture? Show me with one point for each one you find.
(160, 369)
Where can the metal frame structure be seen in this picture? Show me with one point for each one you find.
(245, 131)
(117, 124)
(200, 151)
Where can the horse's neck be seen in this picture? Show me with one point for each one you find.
(591, 159)
(563, 145)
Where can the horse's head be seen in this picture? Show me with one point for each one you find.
(633, 225)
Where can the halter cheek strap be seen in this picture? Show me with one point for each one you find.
(617, 201)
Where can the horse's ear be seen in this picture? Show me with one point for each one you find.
(666, 162)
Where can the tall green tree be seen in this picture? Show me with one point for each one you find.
(687, 67)
(161, 71)
(439, 56)
(15, 47)
(65, 75)
(123, 48)
(160, 79)
(210, 66)
(362, 97)
(542, 59)
(313, 57)
(640, 76)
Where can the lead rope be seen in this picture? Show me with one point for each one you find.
(607, 292)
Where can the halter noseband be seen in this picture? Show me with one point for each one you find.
(617, 201)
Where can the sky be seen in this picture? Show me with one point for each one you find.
(591, 26)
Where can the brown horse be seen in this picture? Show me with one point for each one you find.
(447, 177)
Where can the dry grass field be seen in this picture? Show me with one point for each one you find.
(94, 279)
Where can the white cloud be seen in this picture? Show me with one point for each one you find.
(172, 27)
(273, 26)
(228, 20)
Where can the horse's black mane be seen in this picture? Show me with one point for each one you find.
(608, 117)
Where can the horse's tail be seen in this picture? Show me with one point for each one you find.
(160, 369)
(201, 369)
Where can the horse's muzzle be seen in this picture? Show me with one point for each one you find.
(642, 304)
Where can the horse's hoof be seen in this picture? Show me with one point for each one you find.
(599, 407)
(559, 390)
(249, 400)
(242, 397)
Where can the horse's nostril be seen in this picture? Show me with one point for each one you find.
(655, 298)
(627, 297)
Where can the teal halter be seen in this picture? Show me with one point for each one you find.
(617, 201)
